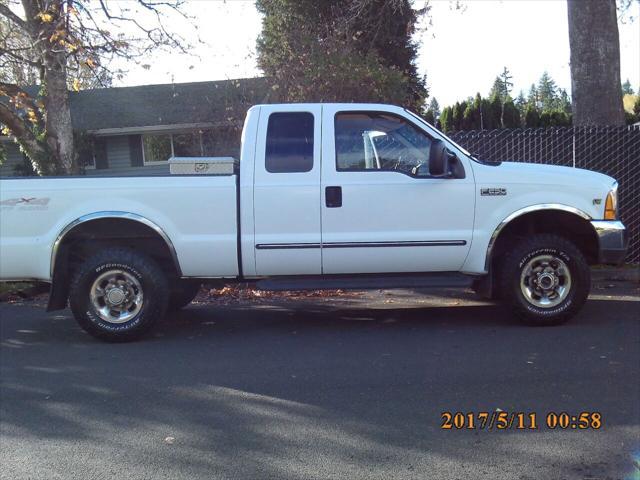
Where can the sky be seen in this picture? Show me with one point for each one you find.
(461, 52)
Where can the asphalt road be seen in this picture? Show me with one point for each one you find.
(321, 389)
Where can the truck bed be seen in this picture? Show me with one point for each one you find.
(197, 213)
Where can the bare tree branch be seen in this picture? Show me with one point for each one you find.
(6, 12)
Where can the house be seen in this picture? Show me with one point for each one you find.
(135, 130)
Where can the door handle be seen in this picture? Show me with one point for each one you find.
(333, 197)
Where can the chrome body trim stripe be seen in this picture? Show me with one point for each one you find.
(115, 215)
(432, 243)
(524, 211)
(282, 246)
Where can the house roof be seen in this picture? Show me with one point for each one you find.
(129, 108)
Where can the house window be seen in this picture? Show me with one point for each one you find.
(89, 161)
(156, 148)
(187, 144)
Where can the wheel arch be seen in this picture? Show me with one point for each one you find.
(536, 212)
(541, 218)
(104, 226)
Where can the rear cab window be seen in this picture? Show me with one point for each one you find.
(289, 146)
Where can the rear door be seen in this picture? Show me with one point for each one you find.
(286, 196)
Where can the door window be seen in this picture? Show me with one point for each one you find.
(289, 142)
(380, 141)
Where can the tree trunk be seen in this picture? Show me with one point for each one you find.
(58, 128)
(53, 75)
(595, 63)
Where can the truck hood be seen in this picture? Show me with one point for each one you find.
(541, 174)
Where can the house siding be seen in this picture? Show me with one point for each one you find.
(119, 161)
(13, 159)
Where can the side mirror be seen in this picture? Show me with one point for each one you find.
(439, 158)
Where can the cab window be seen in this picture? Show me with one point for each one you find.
(380, 141)
(289, 142)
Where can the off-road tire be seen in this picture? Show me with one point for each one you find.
(147, 272)
(510, 279)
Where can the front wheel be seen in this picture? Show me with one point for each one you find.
(118, 294)
(545, 279)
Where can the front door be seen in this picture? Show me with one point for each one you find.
(286, 195)
(381, 210)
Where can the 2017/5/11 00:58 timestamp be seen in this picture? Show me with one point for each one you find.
(500, 420)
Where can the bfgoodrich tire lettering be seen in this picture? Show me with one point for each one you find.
(119, 267)
(566, 266)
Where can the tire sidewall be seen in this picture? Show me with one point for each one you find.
(153, 302)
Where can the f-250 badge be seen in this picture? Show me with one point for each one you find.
(492, 191)
(26, 203)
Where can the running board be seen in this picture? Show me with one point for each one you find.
(366, 282)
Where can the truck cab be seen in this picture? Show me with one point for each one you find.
(355, 192)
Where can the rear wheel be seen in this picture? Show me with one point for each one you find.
(118, 294)
(545, 279)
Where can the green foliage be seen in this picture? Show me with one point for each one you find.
(521, 101)
(629, 118)
(432, 113)
(3, 154)
(547, 92)
(636, 108)
(627, 89)
(502, 86)
(531, 117)
(446, 124)
(341, 50)
(546, 105)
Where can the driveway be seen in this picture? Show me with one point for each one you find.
(317, 388)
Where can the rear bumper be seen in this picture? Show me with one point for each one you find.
(613, 241)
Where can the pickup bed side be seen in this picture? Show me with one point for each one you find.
(195, 216)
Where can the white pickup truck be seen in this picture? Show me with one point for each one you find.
(325, 196)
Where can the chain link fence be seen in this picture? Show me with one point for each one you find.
(614, 151)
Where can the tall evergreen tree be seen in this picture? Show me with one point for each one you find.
(533, 97)
(341, 50)
(432, 113)
(520, 101)
(564, 102)
(547, 92)
(446, 119)
(627, 89)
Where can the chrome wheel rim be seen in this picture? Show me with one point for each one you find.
(116, 296)
(545, 281)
